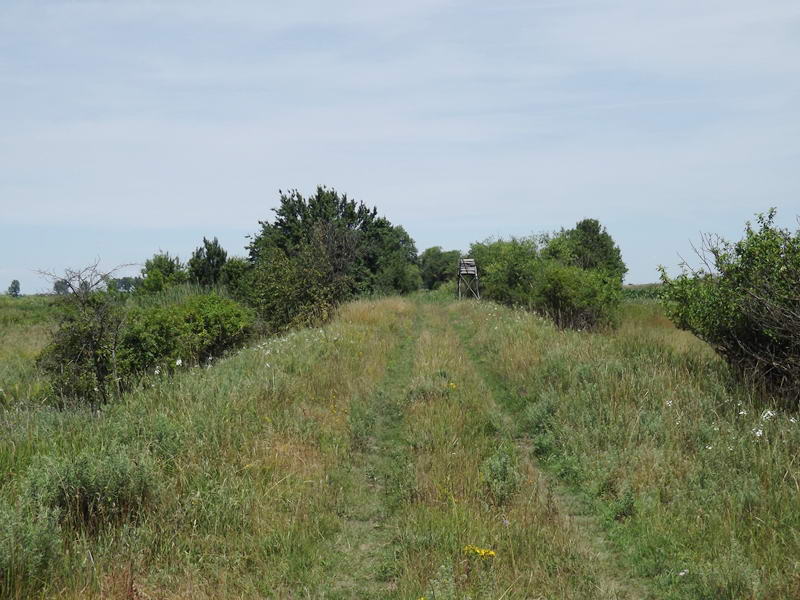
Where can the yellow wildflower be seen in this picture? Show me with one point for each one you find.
(482, 552)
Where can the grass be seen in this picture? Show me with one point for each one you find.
(411, 448)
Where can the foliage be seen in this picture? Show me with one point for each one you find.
(93, 490)
(13, 289)
(588, 246)
(162, 271)
(516, 272)
(104, 341)
(746, 302)
(322, 250)
(207, 262)
(81, 358)
(30, 542)
(189, 332)
(501, 473)
(236, 276)
(438, 266)
(60, 287)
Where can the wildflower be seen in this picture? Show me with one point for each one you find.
(758, 432)
(157, 371)
(451, 385)
(791, 419)
(482, 552)
(684, 572)
(767, 415)
(709, 447)
(178, 362)
(743, 412)
(506, 522)
(669, 402)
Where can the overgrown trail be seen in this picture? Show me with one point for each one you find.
(361, 556)
(440, 499)
(613, 581)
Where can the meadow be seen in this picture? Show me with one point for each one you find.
(414, 447)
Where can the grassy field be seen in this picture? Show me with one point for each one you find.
(411, 448)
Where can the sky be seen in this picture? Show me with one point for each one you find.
(132, 127)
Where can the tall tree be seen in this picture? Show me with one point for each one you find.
(206, 263)
(162, 271)
(13, 289)
(588, 246)
(438, 266)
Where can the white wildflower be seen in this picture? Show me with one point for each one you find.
(178, 362)
(669, 402)
(743, 412)
(157, 371)
(767, 415)
(758, 432)
(684, 572)
(709, 447)
(791, 419)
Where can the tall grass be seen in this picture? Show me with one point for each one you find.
(696, 475)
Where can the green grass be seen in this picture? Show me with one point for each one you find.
(370, 458)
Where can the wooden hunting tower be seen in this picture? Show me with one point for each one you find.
(468, 278)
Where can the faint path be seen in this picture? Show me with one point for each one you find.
(361, 555)
(615, 582)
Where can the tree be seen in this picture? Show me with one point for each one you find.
(237, 277)
(13, 289)
(438, 266)
(206, 263)
(60, 287)
(162, 271)
(588, 246)
(322, 250)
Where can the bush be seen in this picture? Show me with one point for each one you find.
(29, 546)
(92, 491)
(191, 331)
(105, 340)
(514, 272)
(501, 473)
(746, 303)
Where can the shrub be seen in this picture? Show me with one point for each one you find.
(81, 357)
(101, 346)
(501, 473)
(191, 331)
(29, 546)
(514, 272)
(746, 303)
(91, 491)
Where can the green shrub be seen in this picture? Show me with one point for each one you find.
(81, 357)
(30, 544)
(746, 305)
(102, 346)
(514, 272)
(501, 473)
(91, 491)
(190, 332)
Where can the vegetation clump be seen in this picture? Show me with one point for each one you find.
(105, 340)
(91, 491)
(745, 302)
(573, 277)
(322, 250)
(30, 544)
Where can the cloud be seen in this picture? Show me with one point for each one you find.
(458, 119)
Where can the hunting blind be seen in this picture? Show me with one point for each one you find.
(468, 278)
